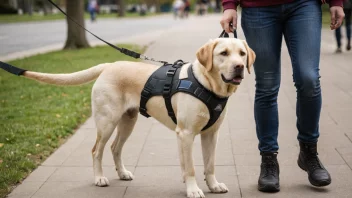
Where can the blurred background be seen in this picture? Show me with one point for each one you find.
(107, 8)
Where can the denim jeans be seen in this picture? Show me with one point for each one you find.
(348, 13)
(300, 23)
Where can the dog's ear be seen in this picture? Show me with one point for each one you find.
(205, 54)
(250, 56)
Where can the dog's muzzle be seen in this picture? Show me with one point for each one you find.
(237, 77)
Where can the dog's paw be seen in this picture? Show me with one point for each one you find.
(195, 193)
(101, 181)
(125, 175)
(218, 188)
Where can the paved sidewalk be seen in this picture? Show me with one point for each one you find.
(151, 151)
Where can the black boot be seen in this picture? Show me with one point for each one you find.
(269, 173)
(308, 161)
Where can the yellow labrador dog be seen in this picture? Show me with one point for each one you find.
(116, 97)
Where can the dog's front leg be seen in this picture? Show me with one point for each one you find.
(185, 141)
(209, 141)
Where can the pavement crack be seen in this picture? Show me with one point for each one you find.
(343, 158)
(144, 143)
(348, 138)
(124, 193)
(234, 161)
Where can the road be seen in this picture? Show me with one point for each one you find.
(19, 37)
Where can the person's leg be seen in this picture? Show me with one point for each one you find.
(263, 30)
(302, 33)
(338, 39)
(264, 35)
(348, 13)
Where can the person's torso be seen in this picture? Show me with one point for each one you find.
(261, 3)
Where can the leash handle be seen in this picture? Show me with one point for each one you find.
(224, 34)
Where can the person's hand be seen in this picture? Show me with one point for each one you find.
(229, 17)
(337, 16)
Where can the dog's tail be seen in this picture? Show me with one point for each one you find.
(75, 78)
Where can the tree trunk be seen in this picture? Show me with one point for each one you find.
(76, 36)
(121, 7)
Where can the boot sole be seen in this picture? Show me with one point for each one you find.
(269, 188)
(320, 184)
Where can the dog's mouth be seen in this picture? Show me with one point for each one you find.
(236, 80)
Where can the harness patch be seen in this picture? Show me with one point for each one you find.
(185, 84)
(218, 108)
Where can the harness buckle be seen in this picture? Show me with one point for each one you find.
(171, 72)
(166, 91)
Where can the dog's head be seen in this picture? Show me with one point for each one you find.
(227, 59)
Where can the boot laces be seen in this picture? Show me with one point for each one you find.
(270, 168)
(313, 161)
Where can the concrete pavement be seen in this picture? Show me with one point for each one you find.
(151, 151)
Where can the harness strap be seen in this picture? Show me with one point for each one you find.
(144, 99)
(214, 103)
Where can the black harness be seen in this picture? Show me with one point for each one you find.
(165, 81)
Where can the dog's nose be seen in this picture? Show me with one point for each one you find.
(239, 66)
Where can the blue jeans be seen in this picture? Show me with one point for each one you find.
(348, 13)
(92, 15)
(300, 23)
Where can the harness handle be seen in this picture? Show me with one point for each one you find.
(224, 34)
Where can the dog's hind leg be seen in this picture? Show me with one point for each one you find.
(124, 130)
(105, 128)
(209, 140)
(106, 111)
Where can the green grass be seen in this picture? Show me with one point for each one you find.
(36, 118)
(36, 17)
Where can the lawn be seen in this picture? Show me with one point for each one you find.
(36, 118)
(37, 17)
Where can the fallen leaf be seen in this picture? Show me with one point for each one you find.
(1, 161)
(58, 115)
(29, 154)
(1, 145)
(37, 145)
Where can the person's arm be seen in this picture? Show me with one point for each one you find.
(336, 3)
(230, 4)
(336, 12)
(229, 15)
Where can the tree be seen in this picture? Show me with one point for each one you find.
(121, 7)
(76, 36)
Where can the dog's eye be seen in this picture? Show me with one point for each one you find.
(242, 53)
(224, 53)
